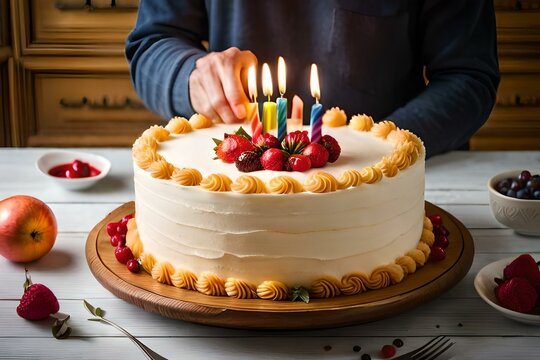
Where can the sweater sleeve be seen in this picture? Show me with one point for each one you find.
(460, 55)
(162, 50)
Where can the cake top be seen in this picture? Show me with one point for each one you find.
(184, 151)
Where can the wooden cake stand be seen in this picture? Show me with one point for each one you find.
(140, 289)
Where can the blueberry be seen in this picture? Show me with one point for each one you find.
(511, 193)
(525, 175)
(533, 185)
(536, 177)
(523, 194)
(503, 184)
(503, 190)
(536, 194)
(516, 185)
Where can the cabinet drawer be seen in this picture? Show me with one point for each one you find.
(68, 26)
(83, 107)
(518, 27)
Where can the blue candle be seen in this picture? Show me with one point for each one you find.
(316, 110)
(281, 118)
(316, 122)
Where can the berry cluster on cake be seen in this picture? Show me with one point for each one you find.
(338, 217)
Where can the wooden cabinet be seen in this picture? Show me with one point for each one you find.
(64, 80)
(515, 121)
(71, 80)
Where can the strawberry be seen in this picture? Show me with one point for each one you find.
(298, 162)
(37, 302)
(517, 294)
(294, 142)
(273, 159)
(248, 161)
(267, 141)
(317, 154)
(231, 147)
(332, 146)
(524, 266)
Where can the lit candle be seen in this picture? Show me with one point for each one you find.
(281, 101)
(316, 109)
(253, 106)
(297, 113)
(269, 107)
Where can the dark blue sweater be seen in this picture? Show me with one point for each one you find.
(371, 56)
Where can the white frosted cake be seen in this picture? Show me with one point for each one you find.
(350, 226)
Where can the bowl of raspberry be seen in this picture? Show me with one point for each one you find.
(514, 199)
(73, 170)
(512, 287)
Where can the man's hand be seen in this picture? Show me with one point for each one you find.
(215, 85)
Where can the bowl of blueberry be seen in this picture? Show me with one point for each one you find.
(73, 170)
(514, 199)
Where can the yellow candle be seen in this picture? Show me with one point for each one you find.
(269, 107)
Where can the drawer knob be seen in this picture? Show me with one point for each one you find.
(103, 104)
(88, 6)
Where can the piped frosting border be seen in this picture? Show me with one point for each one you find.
(326, 287)
(407, 148)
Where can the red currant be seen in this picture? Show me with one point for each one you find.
(436, 220)
(441, 241)
(123, 254)
(388, 351)
(121, 229)
(111, 228)
(133, 265)
(441, 230)
(118, 240)
(437, 253)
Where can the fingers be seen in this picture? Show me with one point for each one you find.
(216, 88)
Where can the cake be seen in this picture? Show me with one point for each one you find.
(354, 225)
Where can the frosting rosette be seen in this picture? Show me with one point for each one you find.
(334, 117)
(157, 132)
(321, 182)
(361, 122)
(273, 290)
(284, 185)
(198, 121)
(217, 182)
(187, 176)
(178, 125)
(247, 184)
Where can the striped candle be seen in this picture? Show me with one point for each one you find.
(281, 118)
(316, 109)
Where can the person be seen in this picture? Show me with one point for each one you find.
(428, 65)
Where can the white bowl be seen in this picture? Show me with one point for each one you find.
(521, 215)
(484, 284)
(58, 157)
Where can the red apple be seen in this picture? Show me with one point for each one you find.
(27, 228)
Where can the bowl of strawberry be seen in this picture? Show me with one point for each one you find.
(514, 199)
(73, 170)
(512, 286)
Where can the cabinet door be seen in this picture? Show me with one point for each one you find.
(88, 103)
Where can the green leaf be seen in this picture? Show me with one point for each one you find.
(60, 329)
(89, 307)
(94, 319)
(241, 132)
(100, 312)
(300, 292)
(217, 141)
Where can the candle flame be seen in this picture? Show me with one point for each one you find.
(282, 76)
(314, 83)
(252, 83)
(267, 80)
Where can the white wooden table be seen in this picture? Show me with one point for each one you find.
(456, 182)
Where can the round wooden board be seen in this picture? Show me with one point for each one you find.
(140, 289)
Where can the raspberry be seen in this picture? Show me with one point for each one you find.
(517, 294)
(388, 351)
(37, 302)
(231, 147)
(118, 240)
(111, 228)
(273, 159)
(436, 220)
(441, 241)
(317, 154)
(298, 162)
(332, 146)
(248, 161)
(523, 266)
